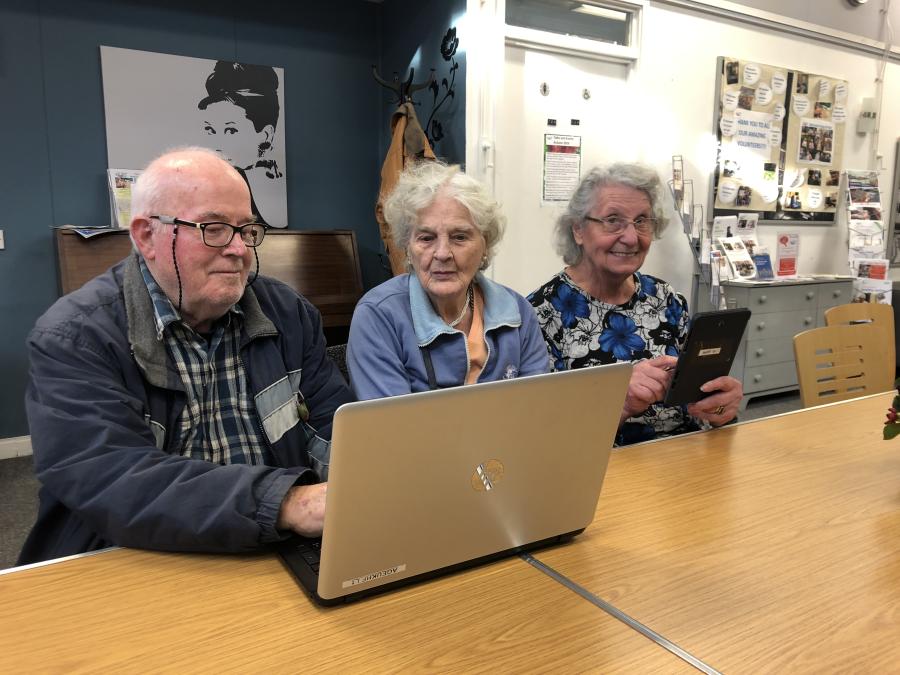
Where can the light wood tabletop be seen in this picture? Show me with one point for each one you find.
(772, 545)
(137, 611)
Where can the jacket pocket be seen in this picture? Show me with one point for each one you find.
(279, 407)
(159, 432)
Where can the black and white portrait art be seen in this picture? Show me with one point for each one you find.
(154, 102)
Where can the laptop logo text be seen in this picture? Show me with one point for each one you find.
(486, 475)
(390, 571)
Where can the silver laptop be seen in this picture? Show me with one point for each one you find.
(424, 484)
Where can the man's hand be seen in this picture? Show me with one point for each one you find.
(648, 384)
(303, 510)
(722, 406)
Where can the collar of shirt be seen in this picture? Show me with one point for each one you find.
(164, 312)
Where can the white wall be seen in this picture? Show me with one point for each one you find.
(664, 107)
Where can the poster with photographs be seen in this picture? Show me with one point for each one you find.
(780, 134)
(154, 102)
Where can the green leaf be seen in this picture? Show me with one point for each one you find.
(890, 431)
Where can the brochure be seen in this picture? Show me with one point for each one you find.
(738, 257)
(746, 225)
(724, 226)
(719, 264)
(120, 182)
(763, 264)
(871, 268)
(787, 249)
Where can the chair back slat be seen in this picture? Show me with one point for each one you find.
(881, 316)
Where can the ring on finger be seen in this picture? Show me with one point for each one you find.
(719, 410)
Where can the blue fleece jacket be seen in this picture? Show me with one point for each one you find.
(395, 320)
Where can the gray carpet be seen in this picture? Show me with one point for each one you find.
(18, 506)
(774, 404)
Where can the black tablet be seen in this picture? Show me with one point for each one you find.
(712, 343)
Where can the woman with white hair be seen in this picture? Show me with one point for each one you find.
(601, 309)
(444, 324)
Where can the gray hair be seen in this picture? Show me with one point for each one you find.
(630, 174)
(419, 186)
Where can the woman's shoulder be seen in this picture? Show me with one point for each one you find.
(654, 286)
(548, 289)
(395, 289)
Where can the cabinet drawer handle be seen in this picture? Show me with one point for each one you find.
(761, 325)
(838, 294)
(760, 351)
(757, 378)
(762, 299)
(810, 295)
(808, 320)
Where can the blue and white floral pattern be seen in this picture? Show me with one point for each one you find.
(581, 331)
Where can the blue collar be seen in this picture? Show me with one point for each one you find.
(500, 309)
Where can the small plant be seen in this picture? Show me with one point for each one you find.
(891, 425)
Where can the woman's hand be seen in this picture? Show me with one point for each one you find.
(722, 406)
(648, 384)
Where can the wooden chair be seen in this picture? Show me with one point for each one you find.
(835, 363)
(880, 316)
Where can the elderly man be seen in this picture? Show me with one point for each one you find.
(172, 405)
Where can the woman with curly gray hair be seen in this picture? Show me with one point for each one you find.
(601, 309)
(444, 324)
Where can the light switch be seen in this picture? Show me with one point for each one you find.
(2, 241)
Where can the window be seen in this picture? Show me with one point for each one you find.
(608, 29)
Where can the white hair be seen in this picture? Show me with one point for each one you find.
(419, 186)
(630, 174)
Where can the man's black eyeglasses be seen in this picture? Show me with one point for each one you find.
(219, 235)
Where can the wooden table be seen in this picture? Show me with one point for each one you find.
(767, 546)
(136, 611)
(770, 546)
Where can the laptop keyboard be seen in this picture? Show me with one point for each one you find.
(308, 550)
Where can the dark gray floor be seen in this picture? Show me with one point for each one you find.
(18, 506)
(775, 404)
(18, 486)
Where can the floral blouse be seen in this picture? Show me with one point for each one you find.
(581, 331)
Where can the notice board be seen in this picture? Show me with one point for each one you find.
(781, 137)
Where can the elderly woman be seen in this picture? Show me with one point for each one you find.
(601, 309)
(444, 324)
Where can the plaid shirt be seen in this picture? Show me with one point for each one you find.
(218, 424)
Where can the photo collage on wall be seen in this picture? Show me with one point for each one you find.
(780, 136)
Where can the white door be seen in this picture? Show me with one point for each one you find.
(586, 98)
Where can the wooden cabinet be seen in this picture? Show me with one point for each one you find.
(780, 310)
(322, 265)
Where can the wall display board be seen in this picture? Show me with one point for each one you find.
(781, 135)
